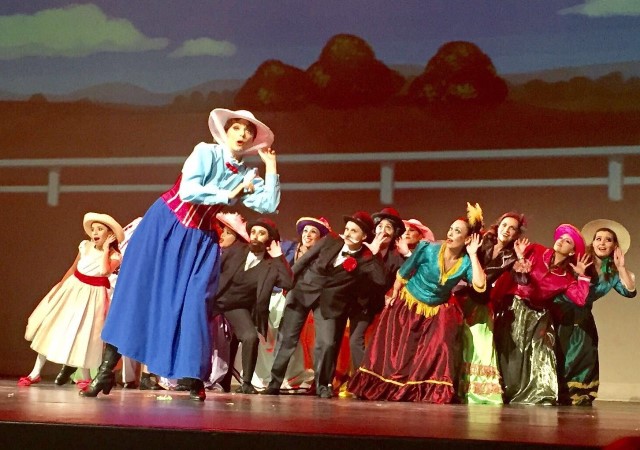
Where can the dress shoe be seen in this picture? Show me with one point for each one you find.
(197, 391)
(146, 384)
(325, 392)
(28, 381)
(271, 390)
(246, 388)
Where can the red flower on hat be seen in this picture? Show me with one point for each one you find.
(350, 264)
(231, 167)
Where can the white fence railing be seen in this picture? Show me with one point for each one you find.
(614, 181)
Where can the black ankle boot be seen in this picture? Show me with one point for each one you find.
(197, 390)
(105, 379)
(147, 384)
(64, 375)
(246, 388)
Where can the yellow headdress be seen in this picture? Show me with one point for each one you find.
(474, 216)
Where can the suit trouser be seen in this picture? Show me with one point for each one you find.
(325, 350)
(245, 330)
(358, 325)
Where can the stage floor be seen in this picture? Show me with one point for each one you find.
(337, 423)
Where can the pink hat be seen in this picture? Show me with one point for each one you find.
(218, 118)
(234, 221)
(427, 234)
(574, 233)
(320, 223)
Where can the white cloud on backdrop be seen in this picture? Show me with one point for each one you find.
(74, 31)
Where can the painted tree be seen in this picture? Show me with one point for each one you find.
(347, 74)
(274, 86)
(459, 73)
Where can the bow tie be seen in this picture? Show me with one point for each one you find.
(348, 253)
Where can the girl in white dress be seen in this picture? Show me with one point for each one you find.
(65, 327)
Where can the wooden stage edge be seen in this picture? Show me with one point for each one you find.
(47, 416)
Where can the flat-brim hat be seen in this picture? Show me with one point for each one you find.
(218, 118)
(576, 236)
(105, 219)
(392, 215)
(364, 221)
(234, 221)
(425, 231)
(624, 238)
(320, 223)
(268, 224)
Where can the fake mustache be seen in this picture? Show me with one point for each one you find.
(349, 239)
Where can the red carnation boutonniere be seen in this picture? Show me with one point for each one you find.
(231, 167)
(350, 264)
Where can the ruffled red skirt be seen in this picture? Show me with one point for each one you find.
(414, 355)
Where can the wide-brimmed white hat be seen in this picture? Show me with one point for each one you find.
(425, 231)
(106, 219)
(624, 238)
(236, 222)
(218, 118)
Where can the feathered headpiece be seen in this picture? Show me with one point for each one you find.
(474, 217)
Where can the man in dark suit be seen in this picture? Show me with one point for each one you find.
(327, 279)
(248, 274)
(388, 224)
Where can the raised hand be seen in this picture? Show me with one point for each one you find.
(267, 155)
(618, 258)
(111, 238)
(376, 243)
(275, 250)
(520, 246)
(402, 245)
(581, 266)
(474, 244)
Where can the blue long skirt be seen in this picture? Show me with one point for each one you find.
(158, 315)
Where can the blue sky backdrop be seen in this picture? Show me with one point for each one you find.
(56, 47)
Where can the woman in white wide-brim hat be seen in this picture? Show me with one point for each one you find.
(65, 326)
(577, 343)
(159, 310)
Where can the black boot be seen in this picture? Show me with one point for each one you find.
(64, 375)
(147, 384)
(246, 388)
(197, 390)
(105, 379)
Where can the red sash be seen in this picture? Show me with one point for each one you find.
(93, 281)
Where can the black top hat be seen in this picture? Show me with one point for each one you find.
(392, 215)
(364, 221)
(265, 223)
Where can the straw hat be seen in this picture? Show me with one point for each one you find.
(218, 118)
(109, 221)
(624, 238)
(234, 221)
(320, 223)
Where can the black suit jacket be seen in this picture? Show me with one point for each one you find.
(336, 289)
(373, 304)
(271, 272)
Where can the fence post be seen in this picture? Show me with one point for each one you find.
(53, 188)
(615, 180)
(386, 183)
